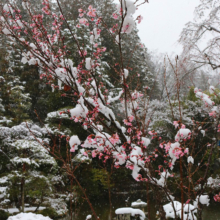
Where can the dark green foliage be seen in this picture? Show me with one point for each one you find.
(14, 190)
(102, 176)
(3, 215)
(191, 95)
(34, 189)
(49, 212)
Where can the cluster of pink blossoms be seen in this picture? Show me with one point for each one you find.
(91, 12)
(212, 114)
(176, 124)
(46, 8)
(83, 21)
(179, 152)
(217, 197)
(115, 16)
(128, 122)
(114, 139)
(139, 18)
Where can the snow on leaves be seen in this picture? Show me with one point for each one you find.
(205, 98)
(38, 154)
(74, 142)
(183, 134)
(171, 210)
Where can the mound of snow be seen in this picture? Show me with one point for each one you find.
(133, 212)
(28, 216)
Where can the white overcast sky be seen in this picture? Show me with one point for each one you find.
(163, 23)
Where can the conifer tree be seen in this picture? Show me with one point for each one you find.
(27, 167)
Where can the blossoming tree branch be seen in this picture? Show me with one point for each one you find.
(126, 138)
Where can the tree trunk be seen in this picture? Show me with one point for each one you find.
(181, 183)
(109, 196)
(160, 204)
(148, 201)
(199, 214)
(71, 201)
(22, 188)
(41, 201)
(22, 193)
(162, 212)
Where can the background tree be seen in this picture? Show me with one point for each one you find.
(26, 164)
(200, 38)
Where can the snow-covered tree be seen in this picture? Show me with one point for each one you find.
(26, 164)
(200, 37)
(134, 53)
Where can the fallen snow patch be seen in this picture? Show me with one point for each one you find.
(28, 216)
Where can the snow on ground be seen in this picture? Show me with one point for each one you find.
(26, 209)
(28, 216)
